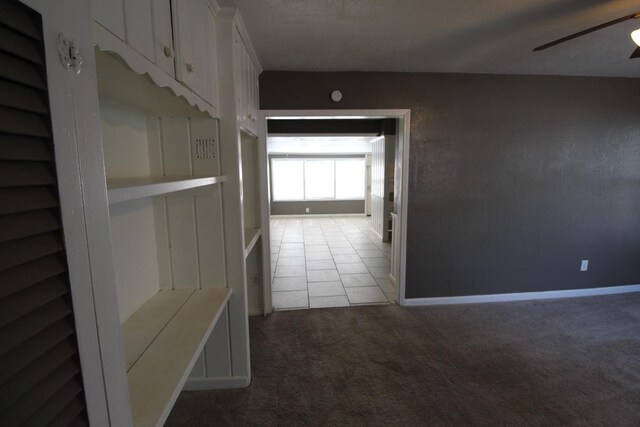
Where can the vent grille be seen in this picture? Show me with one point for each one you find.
(40, 377)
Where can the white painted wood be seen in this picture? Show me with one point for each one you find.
(394, 274)
(521, 296)
(138, 22)
(211, 243)
(157, 377)
(217, 383)
(109, 14)
(217, 349)
(246, 81)
(72, 19)
(249, 147)
(263, 184)
(135, 259)
(163, 36)
(232, 202)
(199, 369)
(126, 189)
(146, 323)
(404, 117)
(136, 88)
(195, 41)
(255, 278)
(251, 236)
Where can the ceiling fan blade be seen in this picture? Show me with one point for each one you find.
(587, 31)
(635, 54)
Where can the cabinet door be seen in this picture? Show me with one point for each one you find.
(238, 50)
(163, 36)
(195, 47)
(184, 21)
(139, 27)
(109, 14)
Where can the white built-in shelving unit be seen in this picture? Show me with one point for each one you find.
(177, 96)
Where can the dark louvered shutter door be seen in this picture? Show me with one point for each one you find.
(40, 377)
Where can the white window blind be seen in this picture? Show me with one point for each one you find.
(318, 179)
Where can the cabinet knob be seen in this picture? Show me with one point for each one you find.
(189, 68)
(168, 52)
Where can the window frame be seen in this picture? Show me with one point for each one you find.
(312, 157)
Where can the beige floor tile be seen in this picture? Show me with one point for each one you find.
(327, 302)
(290, 261)
(325, 289)
(370, 253)
(353, 268)
(322, 276)
(314, 256)
(339, 244)
(376, 262)
(326, 264)
(293, 271)
(347, 259)
(289, 284)
(290, 300)
(386, 285)
(366, 295)
(353, 280)
(343, 251)
(316, 248)
(380, 272)
(292, 246)
(289, 253)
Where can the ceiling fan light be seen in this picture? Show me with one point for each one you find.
(636, 36)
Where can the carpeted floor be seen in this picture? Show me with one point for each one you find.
(544, 363)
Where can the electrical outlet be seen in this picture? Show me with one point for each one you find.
(256, 280)
(584, 265)
(306, 210)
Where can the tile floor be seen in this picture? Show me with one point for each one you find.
(328, 262)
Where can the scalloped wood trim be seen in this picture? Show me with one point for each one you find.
(107, 42)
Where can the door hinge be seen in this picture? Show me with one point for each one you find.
(69, 54)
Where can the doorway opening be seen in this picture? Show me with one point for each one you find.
(334, 203)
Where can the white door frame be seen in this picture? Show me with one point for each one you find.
(404, 116)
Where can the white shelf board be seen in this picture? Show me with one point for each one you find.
(158, 374)
(251, 236)
(125, 189)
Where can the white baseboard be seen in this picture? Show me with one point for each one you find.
(303, 215)
(521, 296)
(216, 383)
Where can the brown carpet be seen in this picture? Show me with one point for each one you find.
(545, 363)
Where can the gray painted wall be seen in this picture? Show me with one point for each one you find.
(324, 207)
(513, 179)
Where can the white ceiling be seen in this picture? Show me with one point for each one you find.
(469, 36)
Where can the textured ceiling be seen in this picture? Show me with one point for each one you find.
(468, 36)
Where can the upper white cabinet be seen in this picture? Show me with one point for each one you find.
(171, 41)
(138, 23)
(195, 39)
(163, 36)
(110, 14)
(246, 74)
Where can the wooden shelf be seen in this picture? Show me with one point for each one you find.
(162, 341)
(125, 189)
(251, 236)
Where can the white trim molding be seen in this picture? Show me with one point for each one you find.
(404, 133)
(216, 383)
(521, 296)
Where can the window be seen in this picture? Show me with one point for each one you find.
(288, 183)
(350, 179)
(318, 179)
